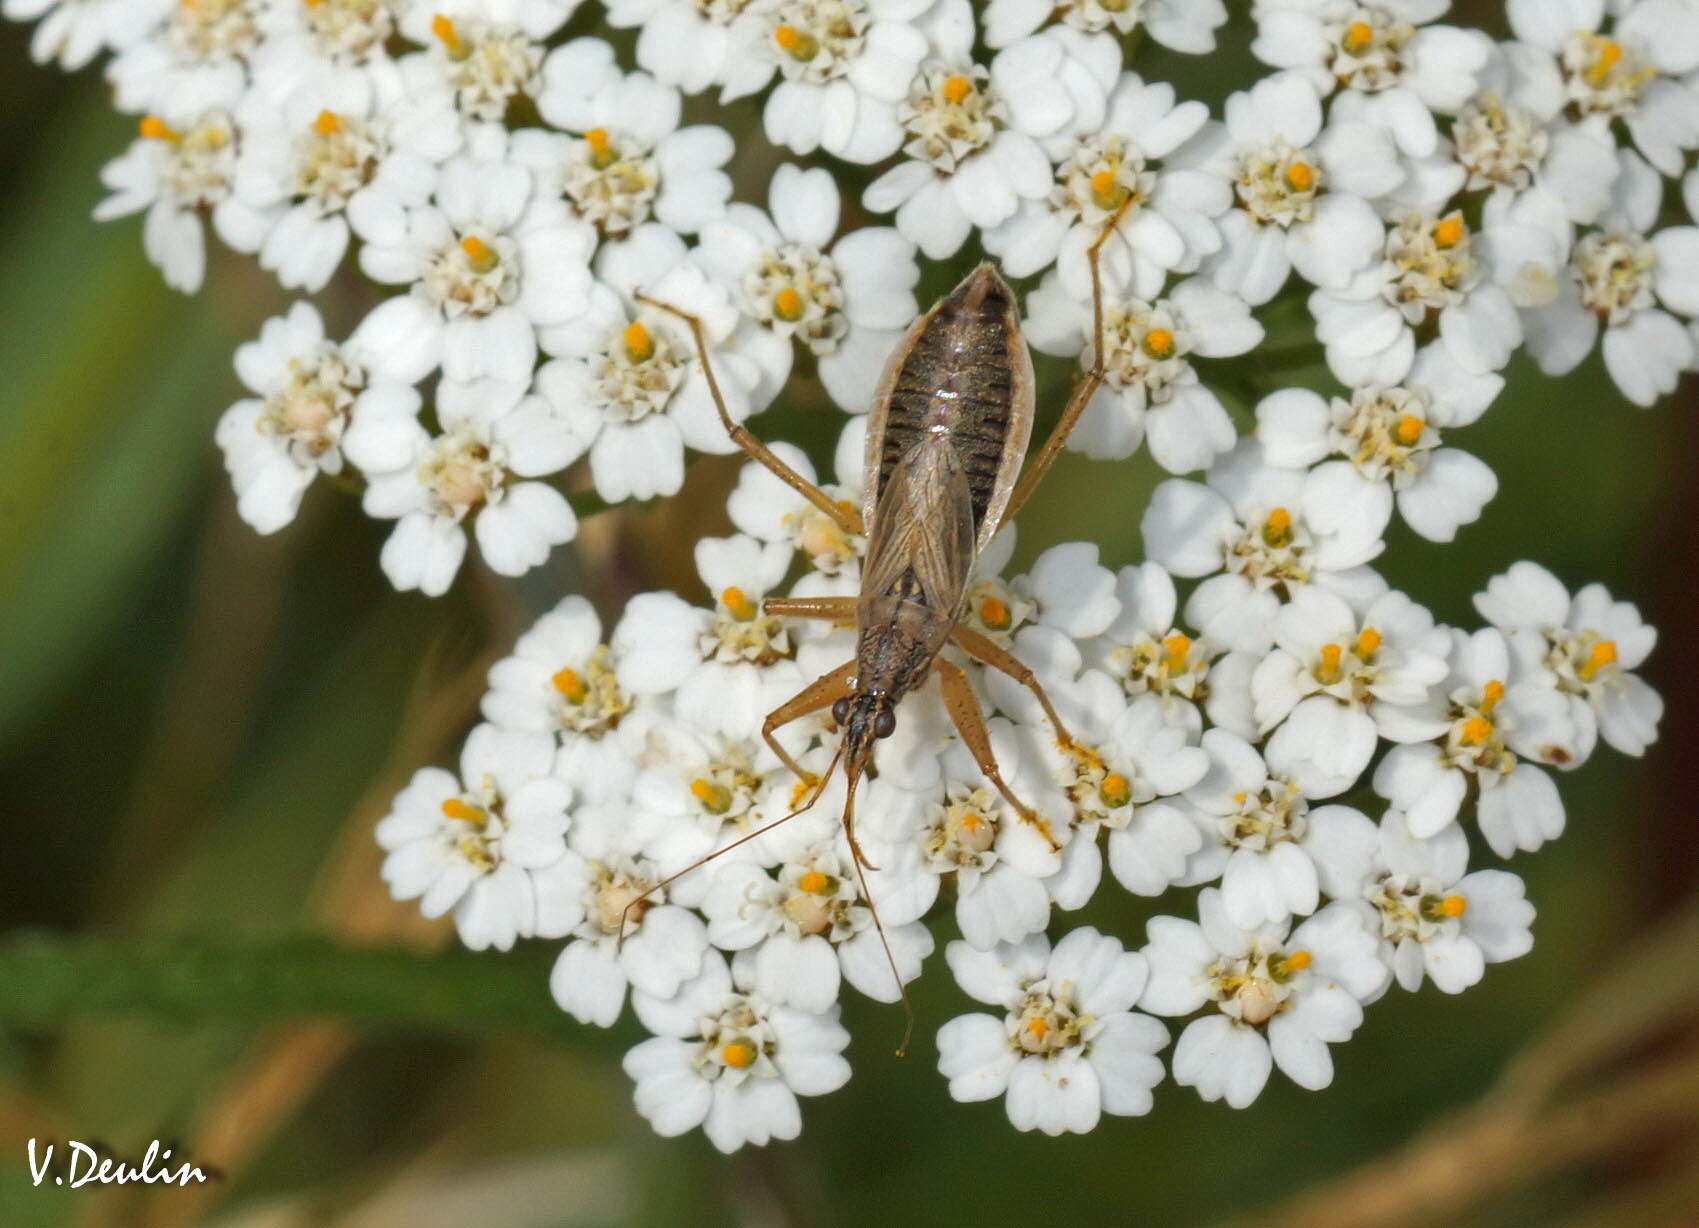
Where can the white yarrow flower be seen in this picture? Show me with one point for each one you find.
(1069, 1047)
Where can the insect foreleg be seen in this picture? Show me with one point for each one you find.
(963, 706)
(842, 515)
(823, 692)
(984, 649)
(833, 609)
(1089, 383)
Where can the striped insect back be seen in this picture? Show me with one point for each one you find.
(962, 377)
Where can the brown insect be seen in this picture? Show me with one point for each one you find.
(950, 425)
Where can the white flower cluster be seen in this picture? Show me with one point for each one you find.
(1252, 710)
(1242, 738)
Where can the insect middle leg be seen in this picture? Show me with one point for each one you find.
(963, 706)
(832, 609)
(986, 650)
(823, 692)
(1089, 383)
(842, 514)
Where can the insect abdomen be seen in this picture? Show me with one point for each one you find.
(959, 381)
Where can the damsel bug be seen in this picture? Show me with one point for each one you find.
(950, 426)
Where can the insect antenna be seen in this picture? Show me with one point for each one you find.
(861, 864)
(819, 788)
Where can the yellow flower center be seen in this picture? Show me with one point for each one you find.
(1409, 429)
(1328, 671)
(1300, 176)
(787, 305)
(956, 90)
(814, 882)
(443, 28)
(1175, 648)
(639, 345)
(795, 43)
(328, 123)
(1277, 529)
(1358, 37)
(1449, 231)
(1159, 343)
(715, 799)
(1107, 192)
(1116, 790)
(1608, 56)
(739, 1053)
(602, 152)
(737, 605)
(155, 129)
(1453, 905)
(1476, 730)
(1491, 694)
(466, 812)
(570, 684)
(995, 614)
(1602, 654)
(479, 254)
(1368, 642)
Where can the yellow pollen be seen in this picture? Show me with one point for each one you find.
(1038, 1027)
(481, 255)
(787, 305)
(1450, 231)
(1409, 429)
(1491, 694)
(1116, 790)
(956, 89)
(1159, 343)
(739, 1053)
(740, 606)
(995, 614)
(1609, 56)
(794, 42)
(1108, 192)
(1358, 36)
(815, 883)
(569, 684)
(639, 345)
(1239, 797)
(1603, 653)
(443, 28)
(455, 808)
(1297, 961)
(1453, 905)
(714, 798)
(1277, 529)
(1175, 649)
(1476, 730)
(971, 820)
(155, 129)
(1328, 670)
(1368, 642)
(602, 152)
(1300, 176)
(328, 122)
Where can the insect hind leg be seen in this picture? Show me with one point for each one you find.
(987, 651)
(964, 712)
(1089, 383)
(842, 515)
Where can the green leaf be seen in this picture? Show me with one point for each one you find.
(52, 979)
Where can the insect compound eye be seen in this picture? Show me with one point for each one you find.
(840, 712)
(885, 723)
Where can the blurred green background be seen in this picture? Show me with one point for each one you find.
(199, 726)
